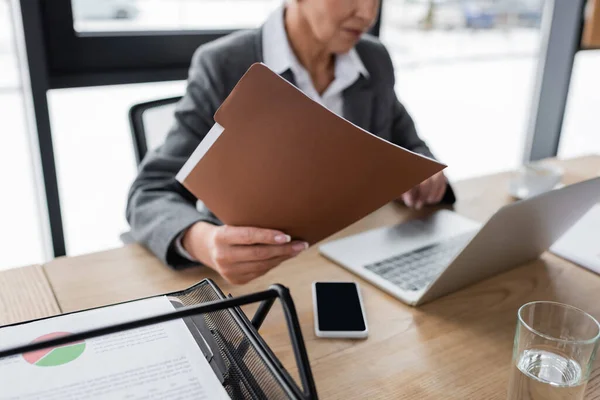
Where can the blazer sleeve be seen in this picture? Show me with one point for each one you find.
(159, 208)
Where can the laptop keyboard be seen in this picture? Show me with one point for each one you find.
(416, 269)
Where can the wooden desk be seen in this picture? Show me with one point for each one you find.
(591, 30)
(457, 347)
(25, 294)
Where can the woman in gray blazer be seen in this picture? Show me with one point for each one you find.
(321, 46)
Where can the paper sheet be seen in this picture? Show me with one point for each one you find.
(206, 143)
(156, 362)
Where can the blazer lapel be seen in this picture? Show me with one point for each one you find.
(358, 103)
(288, 75)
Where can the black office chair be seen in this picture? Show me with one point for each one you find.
(150, 122)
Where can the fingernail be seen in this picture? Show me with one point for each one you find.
(419, 205)
(298, 247)
(282, 238)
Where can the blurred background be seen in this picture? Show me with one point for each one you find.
(466, 70)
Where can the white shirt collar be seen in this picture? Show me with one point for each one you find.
(278, 54)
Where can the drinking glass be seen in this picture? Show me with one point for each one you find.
(554, 350)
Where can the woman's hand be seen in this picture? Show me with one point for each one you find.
(239, 254)
(430, 191)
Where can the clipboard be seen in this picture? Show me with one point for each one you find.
(230, 342)
(277, 159)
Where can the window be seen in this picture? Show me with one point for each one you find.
(89, 41)
(465, 71)
(580, 134)
(9, 78)
(20, 233)
(135, 15)
(95, 159)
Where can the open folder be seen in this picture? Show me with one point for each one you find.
(277, 159)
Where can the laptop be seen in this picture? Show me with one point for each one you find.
(423, 259)
(580, 243)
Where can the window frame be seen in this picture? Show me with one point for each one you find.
(79, 59)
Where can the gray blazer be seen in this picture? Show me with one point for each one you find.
(159, 208)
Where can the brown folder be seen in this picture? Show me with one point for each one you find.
(277, 159)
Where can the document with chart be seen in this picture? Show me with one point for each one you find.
(161, 361)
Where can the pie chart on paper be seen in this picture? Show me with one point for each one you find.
(55, 356)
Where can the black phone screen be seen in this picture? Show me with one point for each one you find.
(338, 307)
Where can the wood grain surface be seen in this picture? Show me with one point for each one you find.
(456, 347)
(591, 30)
(25, 294)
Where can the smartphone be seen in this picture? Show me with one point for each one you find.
(339, 310)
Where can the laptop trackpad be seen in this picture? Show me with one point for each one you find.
(382, 243)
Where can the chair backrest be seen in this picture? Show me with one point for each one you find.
(150, 122)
